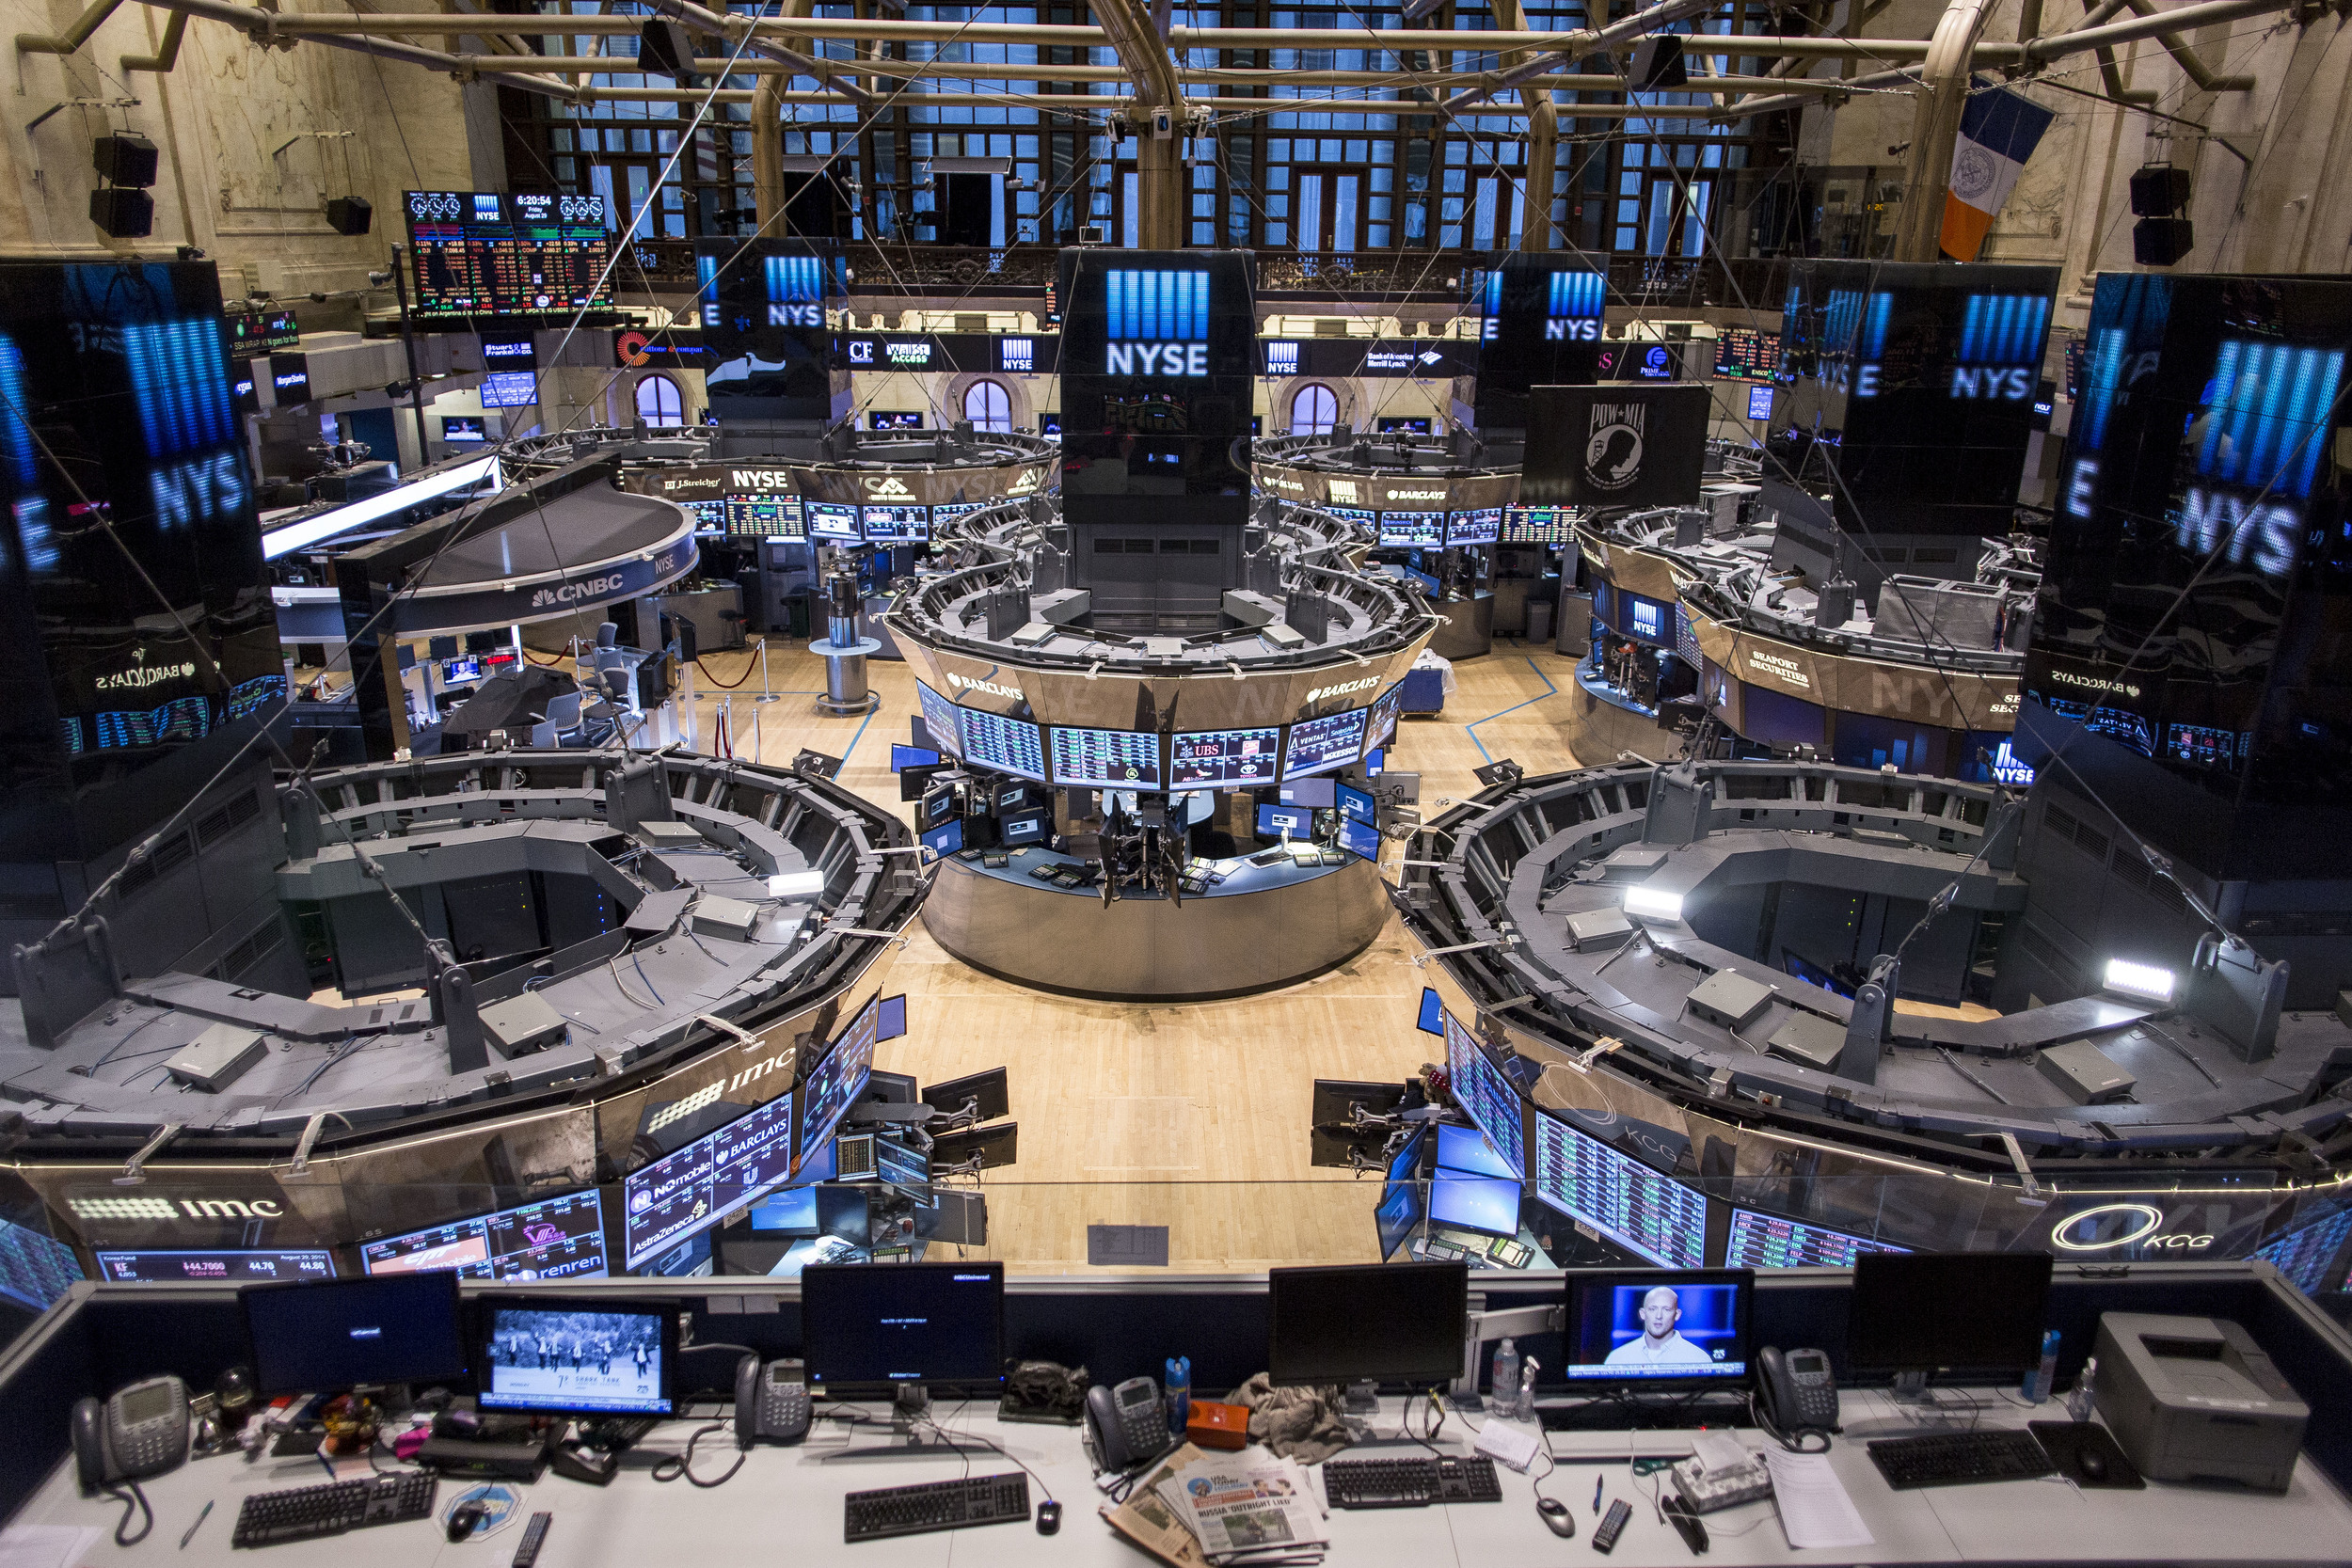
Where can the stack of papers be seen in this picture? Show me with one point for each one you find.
(1194, 1508)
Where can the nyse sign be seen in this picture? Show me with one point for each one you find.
(1157, 360)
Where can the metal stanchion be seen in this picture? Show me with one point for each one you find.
(765, 695)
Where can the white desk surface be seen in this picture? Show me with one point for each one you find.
(785, 1502)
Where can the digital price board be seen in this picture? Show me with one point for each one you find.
(1224, 756)
(942, 718)
(1479, 1085)
(1742, 353)
(1319, 745)
(833, 1083)
(1622, 1198)
(1012, 746)
(688, 1192)
(897, 525)
(556, 1238)
(1481, 526)
(835, 520)
(1761, 1240)
(1107, 759)
(764, 516)
(486, 253)
(149, 1267)
(1415, 529)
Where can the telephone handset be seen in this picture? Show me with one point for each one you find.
(140, 1430)
(771, 1402)
(1797, 1393)
(1128, 1425)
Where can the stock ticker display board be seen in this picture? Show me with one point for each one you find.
(486, 253)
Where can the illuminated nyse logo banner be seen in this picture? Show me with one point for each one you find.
(1016, 354)
(2257, 444)
(1158, 321)
(1573, 303)
(1281, 358)
(1853, 329)
(792, 287)
(2001, 346)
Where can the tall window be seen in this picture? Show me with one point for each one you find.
(658, 401)
(989, 406)
(1314, 409)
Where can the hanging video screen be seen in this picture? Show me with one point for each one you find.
(153, 1268)
(1219, 757)
(1319, 745)
(690, 1191)
(764, 516)
(557, 1238)
(1481, 526)
(1640, 1210)
(1539, 326)
(1013, 746)
(836, 1080)
(766, 344)
(1413, 529)
(486, 253)
(1479, 1085)
(1107, 759)
(896, 525)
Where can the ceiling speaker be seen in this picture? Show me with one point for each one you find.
(122, 213)
(124, 160)
(350, 214)
(1658, 63)
(2162, 242)
(2159, 191)
(665, 47)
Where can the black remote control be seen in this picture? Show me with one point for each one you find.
(534, 1532)
(1612, 1526)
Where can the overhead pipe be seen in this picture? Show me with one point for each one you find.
(72, 37)
(166, 51)
(2075, 40)
(733, 28)
(1582, 42)
(2186, 58)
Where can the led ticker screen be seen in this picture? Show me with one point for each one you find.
(1382, 721)
(1537, 525)
(485, 253)
(1625, 1200)
(1744, 354)
(556, 1238)
(34, 1269)
(1107, 759)
(510, 389)
(1012, 746)
(764, 516)
(685, 1193)
(2304, 1256)
(1481, 527)
(1413, 529)
(834, 1083)
(1759, 403)
(1224, 757)
(942, 718)
(897, 525)
(149, 1267)
(1479, 1085)
(835, 520)
(1319, 745)
(1768, 1242)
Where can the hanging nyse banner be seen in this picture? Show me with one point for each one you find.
(906, 486)
(768, 348)
(1539, 326)
(1618, 443)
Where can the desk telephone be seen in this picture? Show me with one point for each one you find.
(1796, 1392)
(771, 1402)
(140, 1430)
(1128, 1425)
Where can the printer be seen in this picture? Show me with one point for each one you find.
(2195, 1398)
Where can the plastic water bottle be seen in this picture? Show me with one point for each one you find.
(1506, 1376)
(2043, 1379)
(1526, 1409)
(2079, 1397)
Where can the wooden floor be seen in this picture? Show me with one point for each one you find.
(1191, 1117)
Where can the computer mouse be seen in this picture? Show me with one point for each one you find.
(2091, 1462)
(1556, 1515)
(464, 1517)
(1048, 1517)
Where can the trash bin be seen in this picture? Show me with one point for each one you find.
(1538, 619)
(1575, 623)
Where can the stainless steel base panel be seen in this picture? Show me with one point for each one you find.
(1467, 629)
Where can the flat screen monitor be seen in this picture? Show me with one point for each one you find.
(1413, 529)
(691, 1189)
(1481, 526)
(1646, 1212)
(897, 525)
(1403, 1205)
(1484, 1204)
(833, 520)
(989, 1094)
(459, 671)
(1466, 1149)
(837, 1081)
(510, 389)
(342, 1334)
(1011, 798)
(1355, 804)
(915, 782)
(1359, 838)
(1107, 759)
(1483, 1091)
(904, 757)
(1958, 1311)
(865, 1327)
(1025, 828)
(1274, 821)
(1319, 745)
(442, 649)
(792, 1211)
(763, 516)
(1394, 1323)
(1315, 793)
(894, 419)
(1759, 403)
(1360, 517)
(1376, 763)
(1240, 757)
(557, 1238)
(1431, 1019)
(941, 719)
(1760, 1240)
(457, 427)
(1014, 746)
(938, 806)
(147, 1268)
(1643, 1326)
(945, 840)
(585, 1355)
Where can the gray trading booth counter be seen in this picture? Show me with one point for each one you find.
(1267, 921)
(98, 1337)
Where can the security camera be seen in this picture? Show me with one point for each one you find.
(380, 280)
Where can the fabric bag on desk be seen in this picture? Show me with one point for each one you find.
(1304, 1424)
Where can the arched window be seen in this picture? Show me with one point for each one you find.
(989, 406)
(658, 401)
(1314, 409)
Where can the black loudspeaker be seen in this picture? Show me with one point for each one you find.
(123, 213)
(665, 47)
(1657, 63)
(2162, 242)
(124, 160)
(2159, 191)
(350, 214)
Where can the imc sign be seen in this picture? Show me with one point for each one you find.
(1614, 444)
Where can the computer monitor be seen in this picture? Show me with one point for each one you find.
(1319, 794)
(864, 1328)
(440, 647)
(1011, 798)
(1649, 1327)
(1359, 839)
(1432, 1017)
(1031, 827)
(916, 781)
(580, 1355)
(1376, 763)
(991, 1090)
(1485, 1204)
(939, 804)
(1948, 1312)
(1467, 1150)
(945, 841)
(791, 1211)
(1402, 1202)
(904, 757)
(1353, 803)
(342, 1333)
(1388, 1322)
(457, 671)
(1274, 821)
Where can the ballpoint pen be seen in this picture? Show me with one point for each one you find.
(1597, 1482)
(200, 1517)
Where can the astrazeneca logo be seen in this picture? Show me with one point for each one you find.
(889, 488)
(2117, 1225)
(1341, 690)
(967, 683)
(1158, 321)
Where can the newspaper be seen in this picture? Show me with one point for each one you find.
(1241, 1509)
(1145, 1519)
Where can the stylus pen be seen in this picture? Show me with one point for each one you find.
(200, 1516)
(1598, 1481)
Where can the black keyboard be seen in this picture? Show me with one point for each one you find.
(935, 1505)
(1410, 1483)
(298, 1515)
(1957, 1458)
